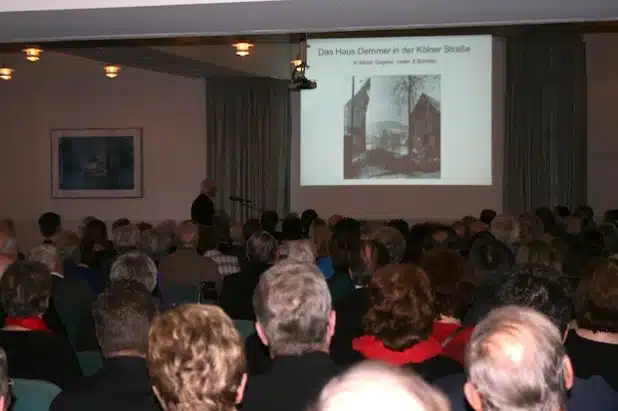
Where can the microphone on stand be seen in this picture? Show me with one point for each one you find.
(239, 199)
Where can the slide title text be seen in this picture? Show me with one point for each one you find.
(363, 51)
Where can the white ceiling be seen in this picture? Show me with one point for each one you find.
(296, 16)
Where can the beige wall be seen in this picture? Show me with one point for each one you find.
(602, 73)
(69, 92)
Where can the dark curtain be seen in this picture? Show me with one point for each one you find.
(545, 142)
(248, 133)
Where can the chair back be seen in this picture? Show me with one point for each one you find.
(33, 395)
(176, 295)
(209, 293)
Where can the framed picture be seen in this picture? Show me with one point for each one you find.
(96, 163)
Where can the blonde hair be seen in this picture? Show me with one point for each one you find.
(196, 359)
(320, 234)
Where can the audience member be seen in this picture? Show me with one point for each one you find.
(401, 226)
(452, 282)
(123, 314)
(320, 235)
(196, 360)
(269, 222)
(292, 228)
(373, 385)
(236, 297)
(49, 225)
(95, 256)
(302, 251)
(156, 244)
(307, 218)
(399, 322)
(538, 253)
(295, 320)
(135, 266)
(185, 266)
(33, 351)
(516, 361)
(593, 346)
(487, 216)
(126, 238)
(226, 264)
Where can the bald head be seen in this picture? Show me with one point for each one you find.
(334, 219)
(209, 187)
(515, 360)
(372, 383)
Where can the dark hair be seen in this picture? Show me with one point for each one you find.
(292, 229)
(123, 314)
(596, 298)
(547, 217)
(562, 211)
(487, 216)
(49, 224)
(121, 222)
(144, 226)
(401, 226)
(540, 288)
(269, 221)
(401, 306)
(94, 234)
(307, 218)
(25, 288)
(345, 249)
(249, 227)
(452, 281)
(489, 254)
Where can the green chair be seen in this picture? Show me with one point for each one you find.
(245, 328)
(33, 395)
(90, 361)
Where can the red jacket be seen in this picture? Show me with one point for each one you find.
(456, 348)
(373, 349)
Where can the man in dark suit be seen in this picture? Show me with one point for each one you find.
(123, 315)
(203, 207)
(294, 319)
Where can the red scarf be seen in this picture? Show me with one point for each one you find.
(29, 323)
(373, 349)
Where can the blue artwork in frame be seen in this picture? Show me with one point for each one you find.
(97, 163)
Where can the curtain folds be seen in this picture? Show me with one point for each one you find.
(545, 141)
(248, 135)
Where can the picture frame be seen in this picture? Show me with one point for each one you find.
(96, 163)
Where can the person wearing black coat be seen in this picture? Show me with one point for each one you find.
(203, 207)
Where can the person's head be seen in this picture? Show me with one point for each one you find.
(562, 212)
(372, 384)
(7, 225)
(155, 243)
(505, 229)
(292, 306)
(307, 218)
(487, 216)
(401, 225)
(452, 281)
(209, 187)
(123, 313)
(126, 238)
(121, 222)
(292, 228)
(269, 221)
(392, 240)
(539, 253)
(596, 298)
(5, 382)
(515, 361)
(250, 227)
(48, 255)
(547, 217)
(586, 213)
(320, 235)
(67, 243)
(49, 224)
(334, 219)
(188, 234)
(531, 228)
(143, 226)
(488, 254)
(345, 250)
(196, 359)
(261, 248)
(94, 240)
(302, 251)
(539, 288)
(25, 289)
(401, 306)
(135, 266)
